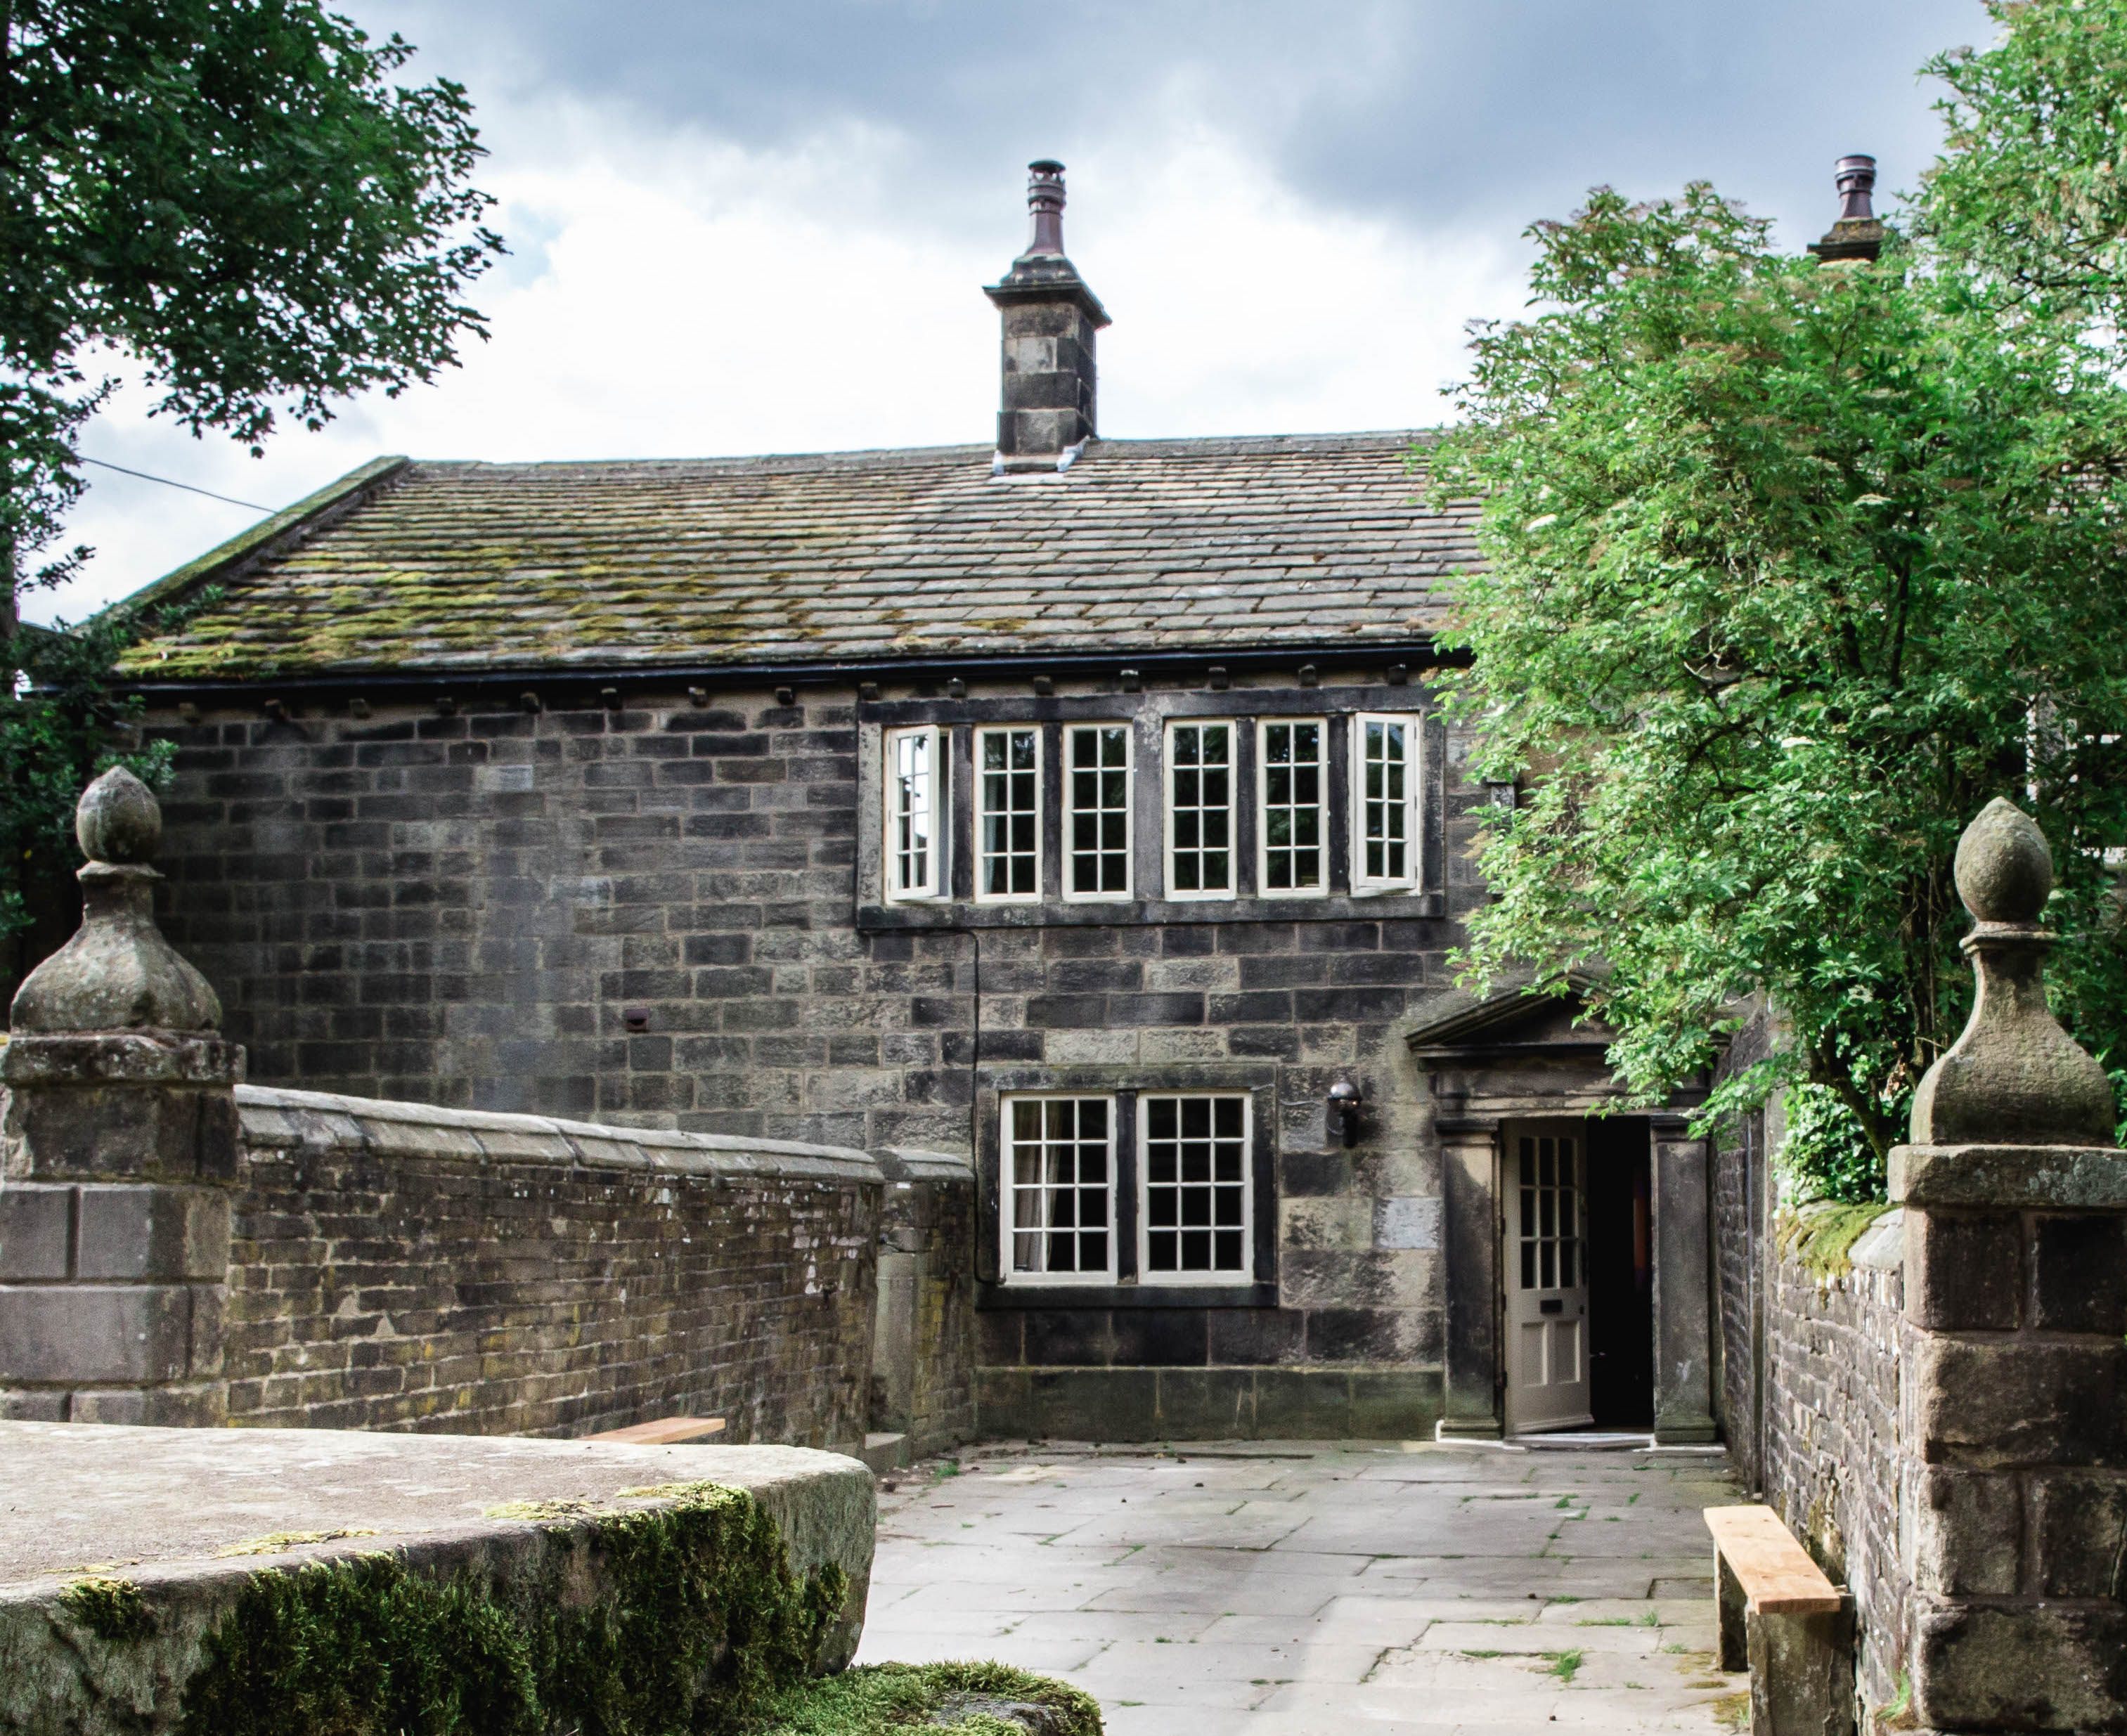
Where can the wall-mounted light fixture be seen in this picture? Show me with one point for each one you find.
(1344, 1112)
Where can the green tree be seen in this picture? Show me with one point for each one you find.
(1790, 567)
(236, 198)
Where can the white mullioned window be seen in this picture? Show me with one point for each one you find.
(1059, 1220)
(1097, 800)
(1008, 814)
(1384, 801)
(1292, 829)
(1196, 1224)
(916, 809)
(1200, 810)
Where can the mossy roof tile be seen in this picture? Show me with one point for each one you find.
(1142, 546)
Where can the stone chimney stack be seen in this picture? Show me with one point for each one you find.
(1049, 320)
(1856, 234)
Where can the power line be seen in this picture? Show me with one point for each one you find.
(226, 500)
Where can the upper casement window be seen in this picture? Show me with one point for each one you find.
(1097, 797)
(1291, 852)
(1058, 1221)
(916, 809)
(1008, 814)
(1200, 810)
(1384, 802)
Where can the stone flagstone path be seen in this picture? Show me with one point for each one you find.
(1315, 1589)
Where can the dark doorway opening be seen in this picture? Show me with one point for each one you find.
(1621, 1273)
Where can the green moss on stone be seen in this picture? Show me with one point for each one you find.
(903, 1700)
(684, 1618)
(111, 1609)
(1820, 1237)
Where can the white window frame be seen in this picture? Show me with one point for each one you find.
(1245, 1272)
(1067, 891)
(1364, 884)
(1231, 890)
(1008, 1191)
(937, 883)
(1264, 889)
(983, 856)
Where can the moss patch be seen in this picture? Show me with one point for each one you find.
(111, 1609)
(274, 1542)
(904, 1699)
(679, 1619)
(1821, 1237)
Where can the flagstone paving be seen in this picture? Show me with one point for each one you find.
(1318, 1589)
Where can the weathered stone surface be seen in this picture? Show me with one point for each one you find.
(1964, 1270)
(149, 1104)
(194, 1514)
(90, 1335)
(2083, 1177)
(2013, 1076)
(2033, 1667)
(2079, 1532)
(36, 1232)
(1967, 1533)
(2079, 1273)
(1994, 1403)
(137, 1233)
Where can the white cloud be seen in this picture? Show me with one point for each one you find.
(675, 295)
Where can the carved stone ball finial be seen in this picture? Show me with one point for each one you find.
(2013, 1076)
(118, 819)
(2005, 873)
(117, 974)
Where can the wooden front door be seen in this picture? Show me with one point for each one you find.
(1546, 1275)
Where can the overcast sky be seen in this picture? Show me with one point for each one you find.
(746, 227)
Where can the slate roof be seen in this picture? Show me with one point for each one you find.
(857, 558)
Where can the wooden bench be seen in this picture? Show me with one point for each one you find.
(664, 1431)
(1781, 1619)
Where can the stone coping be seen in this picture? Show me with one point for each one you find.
(905, 1165)
(150, 1504)
(189, 1516)
(1882, 1247)
(2073, 1177)
(276, 1119)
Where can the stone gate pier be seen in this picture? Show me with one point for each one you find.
(2013, 1456)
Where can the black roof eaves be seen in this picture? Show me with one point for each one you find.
(1422, 652)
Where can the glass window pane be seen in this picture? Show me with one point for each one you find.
(1195, 1182)
(1199, 808)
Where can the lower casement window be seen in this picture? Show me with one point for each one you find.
(1067, 1167)
(1193, 1185)
(1059, 1189)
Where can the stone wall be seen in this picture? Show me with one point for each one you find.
(396, 1266)
(627, 906)
(1833, 1369)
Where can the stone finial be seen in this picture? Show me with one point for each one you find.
(118, 819)
(117, 974)
(2013, 1076)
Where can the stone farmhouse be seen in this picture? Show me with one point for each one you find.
(1082, 805)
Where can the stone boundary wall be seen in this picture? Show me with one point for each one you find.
(397, 1265)
(1834, 1365)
